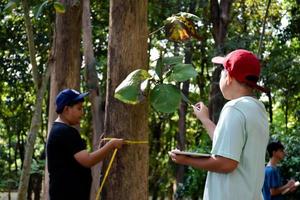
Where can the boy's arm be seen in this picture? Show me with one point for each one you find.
(209, 126)
(201, 112)
(87, 159)
(214, 164)
(280, 190)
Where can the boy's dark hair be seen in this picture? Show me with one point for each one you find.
(72, 103)
(274, 146)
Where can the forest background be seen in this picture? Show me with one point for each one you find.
(271, 29)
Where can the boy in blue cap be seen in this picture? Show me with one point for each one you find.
(68, 160)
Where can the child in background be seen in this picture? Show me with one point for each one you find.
(273, 188)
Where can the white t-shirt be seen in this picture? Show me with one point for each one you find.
(241, 134)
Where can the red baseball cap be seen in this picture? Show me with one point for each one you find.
(242, 65)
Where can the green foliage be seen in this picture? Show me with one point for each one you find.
(11, 5)
(17, 93)
(59, 7)
(181, 27)
(280, 60)
(183, 72)
(165, 98)
(193, 185)
(130, 91)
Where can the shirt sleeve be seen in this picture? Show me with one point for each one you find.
(229, 136)
(273, 178)
(76, 143)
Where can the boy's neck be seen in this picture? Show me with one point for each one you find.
(273, 162)
(242, 94)
(61, 119)
(238, 90)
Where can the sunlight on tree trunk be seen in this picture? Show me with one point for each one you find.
(65, 59)
(93, 87)
(128, 35)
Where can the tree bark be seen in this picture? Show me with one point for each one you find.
(36, 118)
(93, 87)
(181, 136)
(29, 148)
(220, 17)
(31, 47)
(65, 58)
(127, 51)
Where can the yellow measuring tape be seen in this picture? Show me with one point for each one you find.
(112, 159)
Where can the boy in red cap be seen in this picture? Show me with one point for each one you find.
(236, 167)
(68, 160)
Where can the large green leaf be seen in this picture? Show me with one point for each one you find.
(59, 7)
(165, 64)
(129, 91)
(165, 98)
(172, 60)
(159, 68)
(182, 72)
(181, 27)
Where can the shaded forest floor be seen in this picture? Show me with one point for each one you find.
(4, 196)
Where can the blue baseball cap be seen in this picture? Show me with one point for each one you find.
(68, 97)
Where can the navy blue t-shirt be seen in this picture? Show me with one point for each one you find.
(272, 180)
(67, 178)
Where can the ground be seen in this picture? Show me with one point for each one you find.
(4, 196)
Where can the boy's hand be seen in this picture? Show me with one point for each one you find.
(116, 143)
(294, 186)
(201, 111)
(179, 159)
(291, 183)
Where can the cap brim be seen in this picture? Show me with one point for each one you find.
(218, 60)
(81, 96)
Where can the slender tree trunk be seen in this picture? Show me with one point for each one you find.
(30, 38)
(34, 128)
(260, 45)
(128, 178)
(220, 17)
(65, 59)
(93, 87)
(181, 138)
(36, 119)
(155, 147)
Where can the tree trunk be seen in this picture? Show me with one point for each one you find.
(29, 148)
(220, 18)
(65, 59)
(36, 118)
(181, 138)
(128, 178)
(31, 47)
(93, 87)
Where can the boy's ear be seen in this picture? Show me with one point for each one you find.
(66, 108)
(228, 79)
